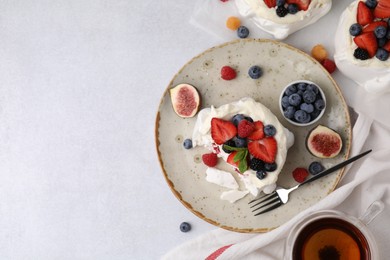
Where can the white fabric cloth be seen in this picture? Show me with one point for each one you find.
(369, 177)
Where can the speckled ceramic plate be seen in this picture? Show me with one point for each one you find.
(183, 169)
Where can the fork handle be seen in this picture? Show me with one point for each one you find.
(335, 168)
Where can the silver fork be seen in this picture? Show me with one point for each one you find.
(280, 196)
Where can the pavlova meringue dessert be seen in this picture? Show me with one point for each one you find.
(283, 17)
(247, 136)
(362, 44)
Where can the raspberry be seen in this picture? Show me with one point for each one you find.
(329, 65)
(300, 174)
(233, 23)
(228, 73)
(319, 53)
(210, 159)
(245, 128)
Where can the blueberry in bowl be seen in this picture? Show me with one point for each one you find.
(302, 102)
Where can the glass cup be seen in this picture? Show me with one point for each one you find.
(331, 234)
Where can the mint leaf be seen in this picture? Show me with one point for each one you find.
(240, 155)
(232, 149)
(243, 166)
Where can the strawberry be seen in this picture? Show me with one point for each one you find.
(270, 3)
(364, 14)
(300, 174)
(302, 4)
(245, 128)
(230, 159)
(222, 130)
(210, 159)
(228, 73)
(258, 132)
(329, 65)
(382, 9)
(387, 46)
(368, 42)
(264, 149)
(371, 27)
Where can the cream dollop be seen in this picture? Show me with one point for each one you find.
(281, 27)
(373, 74)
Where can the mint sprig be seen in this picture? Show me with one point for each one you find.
(240, 157)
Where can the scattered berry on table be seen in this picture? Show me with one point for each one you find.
(269, 130)
(233, 23)
(382, 54)
(256, 164)
(245, 128)
(185, 227)
(281, 11)
(319, 52)
(300, 174)
(315, 168)
(187, 144)
(261, 174)
(237, 119)
(228, 73)
(255, 72)
(242, 32)
(355, 29)
(302, 117)
(270, 167)
(210, 159)
(295, 99)
(329, 65)
(361, 54)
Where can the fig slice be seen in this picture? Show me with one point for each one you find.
(324, 142)
(185, 100)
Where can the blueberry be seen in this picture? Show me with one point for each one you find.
(380, 32)
(269, 130)
(240, 142)
(355, 29)
(315, 113)
(292, 8)
(187, 144)
(302, 86)
(289, 112)
(313, 88)
(242, 32)
(261, 174)
(388, 33)
(382, 42)
(256, 164)
(250, 119)
(230, 143)
(255, 72)
(291, 90)
(270, 167)
(371, 3)
(295, 99)
(319, 104)
(382, 54)
(308, 108)
(185, 227)
(309, 96)
(237, 119)
(302, 117)
(280, 2)
(315, 168)
(285, 102)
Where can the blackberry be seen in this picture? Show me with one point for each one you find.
(256, 164)
(281, 11)
(361, 54)
(230, 143)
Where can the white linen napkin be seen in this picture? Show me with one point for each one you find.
(353, 195)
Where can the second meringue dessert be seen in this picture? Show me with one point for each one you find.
(362, 44)
(249, 137)
(283, 17)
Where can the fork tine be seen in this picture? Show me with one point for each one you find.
(271, 201)
(263, 199)
(270, 208)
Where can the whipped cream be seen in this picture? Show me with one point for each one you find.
(202, 137)
(281, 27)
(372, 74)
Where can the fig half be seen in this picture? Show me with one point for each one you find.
(185, 100)
(324, 142)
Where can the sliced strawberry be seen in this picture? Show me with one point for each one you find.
(371, 27)
(368, 42)
(264, 149)
(258, 133)
(387, 46)
(302, 4)
(270, 3)
(222, 130)
(230, 159)
(382, 9)
(364, 14)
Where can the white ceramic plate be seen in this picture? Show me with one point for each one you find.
(281, 63)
